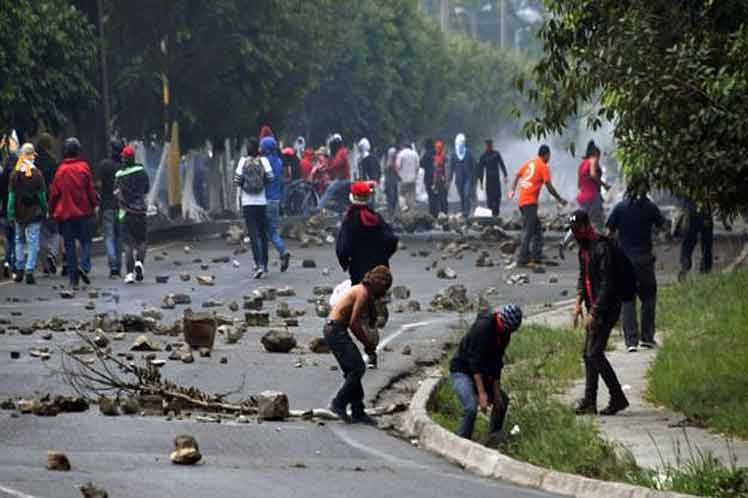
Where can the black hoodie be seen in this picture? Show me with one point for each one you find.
(365, 241)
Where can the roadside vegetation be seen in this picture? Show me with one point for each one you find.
(541, 363)
(700, 370)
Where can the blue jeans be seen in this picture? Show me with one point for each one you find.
(27, 239)
(464, 387)
(72, 231)
(465, 190)
(272, 211)
(333, 192)
(112, 239)
(351, 364)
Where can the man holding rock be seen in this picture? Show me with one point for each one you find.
(475, 370)
(347, 315)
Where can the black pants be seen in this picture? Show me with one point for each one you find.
(433, 200)
(440, 195)
(493, 195)
(700, 229)
(646, 290)
(134, 232)
(351, 364)
(596, 364)
(532, 235)
(257, 228)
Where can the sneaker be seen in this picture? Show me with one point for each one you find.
(139, 271)
(341, 413)
(114, 274)
(584, 407)
(130, 278)
(648, 344)
(616, 405)
(631, 349)
(6, 270)
(51, 264)
(18, 276)
(84, 276)
(30, 280)
(372, 362)
(258, 274)
(285, 260)
(363, 418)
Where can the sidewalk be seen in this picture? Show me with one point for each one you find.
(654, 435)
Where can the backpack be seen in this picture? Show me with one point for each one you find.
(625, 277)
(253, 175)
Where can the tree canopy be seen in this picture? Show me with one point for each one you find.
(671, 75)
(47, 52)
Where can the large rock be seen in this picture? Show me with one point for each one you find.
(257, 318)
(144, 343)
(283, 311)
(267, 293)
(484, 260)
(108, 406)
(89, 490)
(199, 329)
(400, 292)
(453, 298)
(319, 345)
(278, 341)
(414, 222)
(57, 460)
(286, 292)
(187, 451)
(446, 273)
(272, 405)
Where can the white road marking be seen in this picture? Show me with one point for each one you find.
(402, 329)
(14, 493)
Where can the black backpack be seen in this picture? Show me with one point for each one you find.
(253, 175)
(625, 277)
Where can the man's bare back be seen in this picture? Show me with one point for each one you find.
(348, 312)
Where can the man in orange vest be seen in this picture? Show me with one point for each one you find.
(530, 178)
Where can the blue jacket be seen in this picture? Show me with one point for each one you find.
(461, 170)
(274, 189)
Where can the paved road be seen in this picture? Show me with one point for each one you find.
(129, 455)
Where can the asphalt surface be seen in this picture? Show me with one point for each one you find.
(128, 456)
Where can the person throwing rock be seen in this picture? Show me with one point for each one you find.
(347, 314)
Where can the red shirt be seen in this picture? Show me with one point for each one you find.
(339, 166)
(306, 165)
(72, 195)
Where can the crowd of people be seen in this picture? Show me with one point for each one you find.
(45, 200)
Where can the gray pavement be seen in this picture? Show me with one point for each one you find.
(129, 455)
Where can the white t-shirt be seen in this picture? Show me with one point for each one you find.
(407, 165)
(254, 199)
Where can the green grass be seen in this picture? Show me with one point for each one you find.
(701, 369)
(542, 363)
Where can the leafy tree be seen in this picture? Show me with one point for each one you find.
(47, 50)
(671, 75)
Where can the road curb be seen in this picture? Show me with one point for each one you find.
(490, 463)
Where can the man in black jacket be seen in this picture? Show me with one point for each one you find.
(601, 291)
(475, 370)
(365, 241)
(131, 186)
(105, 174)
(489, 167)
(47, 162)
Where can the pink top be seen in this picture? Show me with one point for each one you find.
(588, 188)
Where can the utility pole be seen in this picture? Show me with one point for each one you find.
(502, 23)
(104, 74)
(444, 15)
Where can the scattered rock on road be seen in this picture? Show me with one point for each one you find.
(407, 351)
(144, 343)
(257, 318)
(162, 279)
(400, 292)
(286, 292)
(272, 405)
(446, 273)
(278, 341)
(484, 260)
(58, 461)
(309, 263)
(89, 490)
(207, 280)
(108, 406)
(319, 345)
(187, 452)
(509, 247)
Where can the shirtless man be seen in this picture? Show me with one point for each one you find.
(347, 314)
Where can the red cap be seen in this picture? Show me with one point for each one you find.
(128, 153)
(360, 192)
